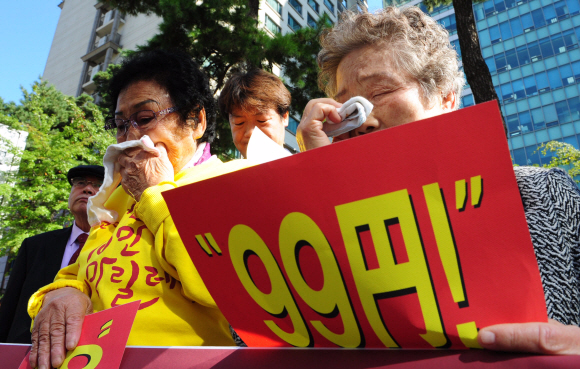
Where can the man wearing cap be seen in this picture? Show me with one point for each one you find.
(42, 256)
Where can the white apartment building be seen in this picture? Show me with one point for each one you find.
(89, 37)
(8, 163)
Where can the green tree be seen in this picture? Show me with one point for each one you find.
(565, 156)
(474, 66)
(63, 132)
(296, 53)
(224, 37)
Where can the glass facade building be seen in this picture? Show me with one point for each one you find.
(531, 49)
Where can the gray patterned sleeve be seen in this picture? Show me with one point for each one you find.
(551, 202)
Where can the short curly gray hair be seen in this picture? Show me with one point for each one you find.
(420, 45)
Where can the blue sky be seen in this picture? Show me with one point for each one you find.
(375, 4)
(26, 33)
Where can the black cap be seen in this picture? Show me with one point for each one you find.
(85, 171)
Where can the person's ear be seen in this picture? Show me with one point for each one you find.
(286, 118)
(200, 126)
(449, 102)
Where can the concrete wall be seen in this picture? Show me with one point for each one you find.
(71, 39)
(138, 30)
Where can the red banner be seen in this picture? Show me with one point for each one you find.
(411, 237)
(103, 339)
(267, 358)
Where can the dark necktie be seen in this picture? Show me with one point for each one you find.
(81, 239)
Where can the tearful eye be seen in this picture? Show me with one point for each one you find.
(141, 121)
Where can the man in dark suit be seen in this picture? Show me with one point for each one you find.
(41, 257)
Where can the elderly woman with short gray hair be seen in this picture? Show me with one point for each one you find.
(402, 62)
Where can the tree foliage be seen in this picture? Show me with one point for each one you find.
(63, 132)
(565, 156)
(224, 37)
(297, 57)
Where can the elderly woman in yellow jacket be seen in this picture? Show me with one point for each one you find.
(140, 256)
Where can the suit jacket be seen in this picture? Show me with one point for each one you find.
(36, 265)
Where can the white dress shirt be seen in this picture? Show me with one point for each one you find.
(71, 245)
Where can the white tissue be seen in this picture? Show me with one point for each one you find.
(354, 113)
(262, 149)
(96, 210)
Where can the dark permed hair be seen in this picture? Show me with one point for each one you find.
(176, 72)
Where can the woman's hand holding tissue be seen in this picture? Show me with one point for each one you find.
(309, 133)
(141, 169)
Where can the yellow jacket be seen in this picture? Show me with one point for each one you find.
(143, 258)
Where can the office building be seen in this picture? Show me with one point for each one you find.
(531, 49)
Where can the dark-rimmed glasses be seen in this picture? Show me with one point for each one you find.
(82, 182)
(142, 120)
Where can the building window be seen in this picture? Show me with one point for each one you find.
(296, 5)
(293, 124)
(494, 34)
(488, 8)
(573, 6)
(329, 5)
(532, 154)
(311, 21)
(490, 64)
(293, 23)
(276, 6)
(314, 5)
(513, 125)
(520, 156)
(527, 22)
(530, 86)
(449, 24)
(271, 26)
(525, 121)
(516, 26)
(467, 101)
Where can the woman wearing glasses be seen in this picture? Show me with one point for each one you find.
(140, 256)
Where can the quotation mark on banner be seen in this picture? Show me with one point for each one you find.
(204, 245)
(106, 328)
(93, 354)
(461, 193)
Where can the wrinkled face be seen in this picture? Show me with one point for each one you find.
(79, 196)
(179, 140)
(243, 123)
(371, 72)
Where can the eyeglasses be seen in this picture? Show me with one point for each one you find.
(142, 120)
(82, 183)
